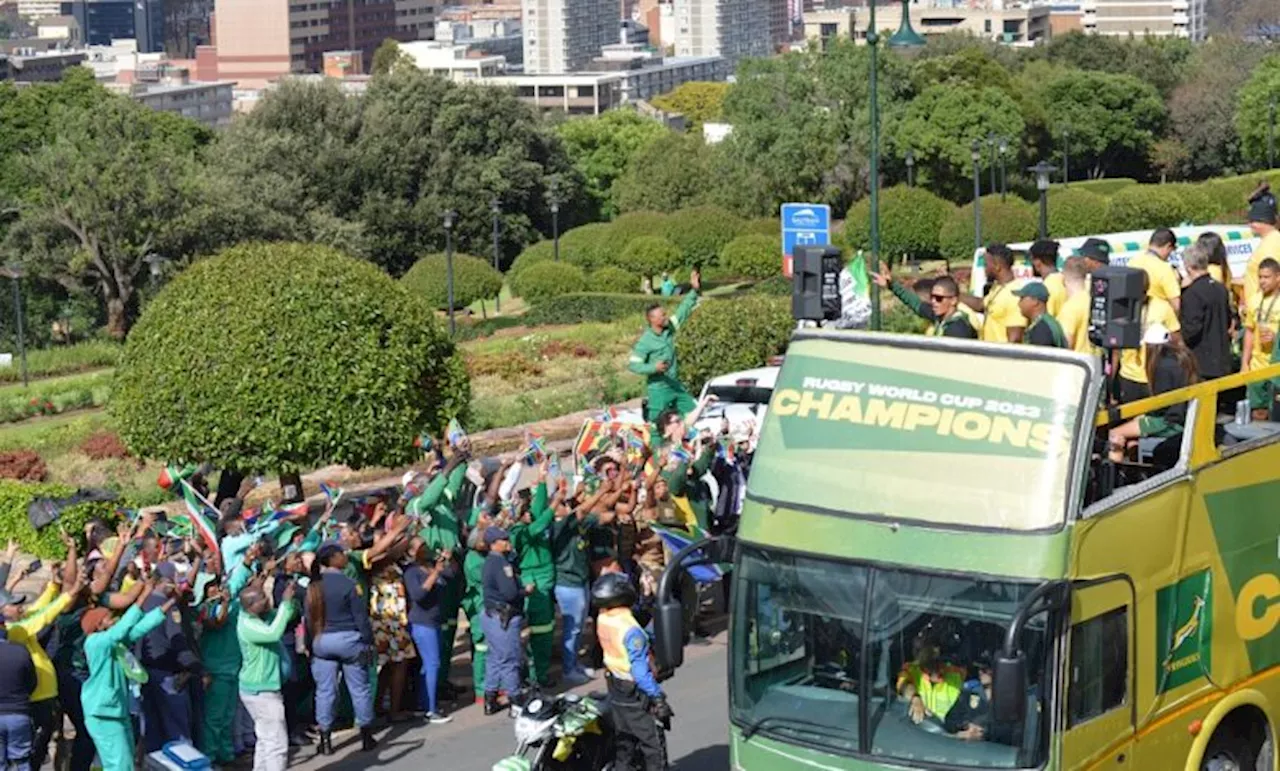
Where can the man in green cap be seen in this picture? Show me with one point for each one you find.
(1042, 328)
(654, 355)
(530, 537)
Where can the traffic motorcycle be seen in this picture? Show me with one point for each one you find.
(567, 732)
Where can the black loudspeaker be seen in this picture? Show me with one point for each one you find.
(815, 288)
(1115, 307)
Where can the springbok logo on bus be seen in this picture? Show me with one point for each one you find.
(1184, 631)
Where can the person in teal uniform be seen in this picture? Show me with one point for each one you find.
(654, 356)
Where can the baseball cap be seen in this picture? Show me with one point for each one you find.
(495, 534)
(1096, 249)
(1156, 334)
(1036, 290)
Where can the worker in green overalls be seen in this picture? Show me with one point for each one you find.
(654, 356)
(220, 651)
(531, 539)
(439, 528)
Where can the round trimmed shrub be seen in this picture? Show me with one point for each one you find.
(1145, 207)
(540, 251)
(589, 246)
(473, 279)
(549, 279)
(1010, 221)
(282, 357)
(764, 226)
(729, 335)
(701, 232)
(911, 220)
(1198, 207)
(614, 280)
(1076, 212)
(650, 255)
(636, 224)
(753, 256)
(1106, 186)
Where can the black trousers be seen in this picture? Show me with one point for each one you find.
(637, 730)
(82, 749)
(43, 722)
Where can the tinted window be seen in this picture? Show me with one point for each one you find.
(1099, 675)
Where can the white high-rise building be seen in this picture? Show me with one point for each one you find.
(1160, 18)
(730, 28)
(565, 35)
(39, 9)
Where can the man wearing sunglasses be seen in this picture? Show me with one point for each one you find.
(943, 311)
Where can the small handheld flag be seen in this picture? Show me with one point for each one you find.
(332, 494)
(423, 442)
(200, 515)
(455, 432)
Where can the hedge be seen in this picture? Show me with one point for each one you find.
(613, 279)
(1076, 212)
(776, 286)
(1010, 221)
(580, 307)
(45, 543)
(1199, 207)
(911, 220)
(280, 357)
(1104, 186)
(729, 335)
(589, 246)
(701, 232)
(752, 256)
(473, 279)
(548, 279)
(541, 251)
(1146, 207)
(650, 255)
(765, 226)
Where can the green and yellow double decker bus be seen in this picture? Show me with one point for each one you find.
(937, 567)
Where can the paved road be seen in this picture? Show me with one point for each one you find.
(472, 742)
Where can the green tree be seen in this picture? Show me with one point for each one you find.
(544, 280)
(614, 280)
(669, 173)
(752, 256)
(389, 57)
(281, 357)
(117, 184)
(1114, 120)
(728, 335)
(473, 279)
(1159, 62)
(601, 149)
(700, 232)
(910, 220)
(697, 101)
(650, 255)
(1210, 90)
(1252, 107)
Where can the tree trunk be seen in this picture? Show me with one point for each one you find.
(117, 322)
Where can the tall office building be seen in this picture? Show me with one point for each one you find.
(733, 29)
(1160, 18)
(260, 40)
(39, 9)
(102, 21)
(565, 35)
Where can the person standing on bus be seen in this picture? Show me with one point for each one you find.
(1133, 361)
(1262, 221)
(1261, 323)
(1044, 263)
(1002, 322)
(1206, 315)
(1075, 311)
(1162, 279)
(1044, 329)
(940, 307)
(654, 355)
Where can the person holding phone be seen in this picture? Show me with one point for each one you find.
(260, 686)
(654, 355)
(424, 582)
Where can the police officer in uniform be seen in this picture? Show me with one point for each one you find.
(502, 619)
(637, 699)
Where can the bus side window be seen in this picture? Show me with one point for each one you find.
(1098, 678)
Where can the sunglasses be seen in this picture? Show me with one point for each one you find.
(941, 297)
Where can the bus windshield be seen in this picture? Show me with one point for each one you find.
(969, 439)
(868, 661)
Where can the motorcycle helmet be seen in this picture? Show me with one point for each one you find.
(613, 590)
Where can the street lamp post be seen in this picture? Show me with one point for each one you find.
(496, 208)
(911, 169)
(1066, 156)
(1004, 177)
(1043, 170)
(1271, 134)
(553, 204)
(975, 150)
(16, 273)
(448, 265)
(991, 151)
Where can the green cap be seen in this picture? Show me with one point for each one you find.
(284, 536)
(1036, 290)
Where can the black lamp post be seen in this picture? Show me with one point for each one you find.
(1271, 134)
(991, 150)
(448, 265)
(1066, 156)
(496, 208)
(976, 151)
(1004, 177)
(1043, 170)
(553, 203)
(911, 169)
(16, 273)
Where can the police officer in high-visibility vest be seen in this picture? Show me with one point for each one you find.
(637, 700)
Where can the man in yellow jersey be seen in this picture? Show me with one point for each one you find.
(1074, 316)
(1261, 323)
(1163, 282)
(1002, 322)
(1206, 315)
(1096, 253)
(942, 308)
(1133, 361)
(1262, 221)
(1044, 262)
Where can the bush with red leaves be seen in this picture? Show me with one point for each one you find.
(22, 465)
(104, 445)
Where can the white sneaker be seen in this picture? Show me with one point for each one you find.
(591, 673)
(438, 718)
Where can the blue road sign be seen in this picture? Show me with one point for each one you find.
(803, 224)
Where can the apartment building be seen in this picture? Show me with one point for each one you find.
(1011, 26)
(1159, 18)
(565, 35)
(102, 21)
(261, 40)
(733, 29)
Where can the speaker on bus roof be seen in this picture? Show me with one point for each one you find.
(1115, 307)
(815, 287)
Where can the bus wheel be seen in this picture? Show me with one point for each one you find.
(1228, 752)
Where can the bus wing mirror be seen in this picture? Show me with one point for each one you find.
(1009, 688)
(668, 635)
